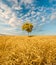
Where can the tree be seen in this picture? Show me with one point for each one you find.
(27, 27)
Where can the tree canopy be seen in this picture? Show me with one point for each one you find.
(27, 27)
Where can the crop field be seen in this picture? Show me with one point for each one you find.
(24, 50)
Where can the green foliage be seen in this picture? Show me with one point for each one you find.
(27, 27)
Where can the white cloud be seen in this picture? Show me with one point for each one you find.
(43, 19)
(32, 13)
(15, 1)
(5, 12)
(16, 7)
(26, 1)
(53, 16)
(41, 24)
(14, 21)
(15, 4)
(38, 13)
(8, 16)
(9, 29)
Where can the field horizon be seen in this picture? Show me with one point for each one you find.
(27, 50)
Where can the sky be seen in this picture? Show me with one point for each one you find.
(41, 13)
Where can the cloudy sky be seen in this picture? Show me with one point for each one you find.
(42, 13)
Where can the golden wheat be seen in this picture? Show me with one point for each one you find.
(23, 50)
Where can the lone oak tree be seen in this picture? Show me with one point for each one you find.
(27, 27)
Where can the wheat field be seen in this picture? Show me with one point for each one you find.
(24, 50)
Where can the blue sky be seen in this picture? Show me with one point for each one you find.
(42, 13)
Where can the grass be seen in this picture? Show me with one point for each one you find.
(24, 50)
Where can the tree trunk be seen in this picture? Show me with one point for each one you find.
(28, 33)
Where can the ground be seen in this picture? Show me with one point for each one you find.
(24, 50)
